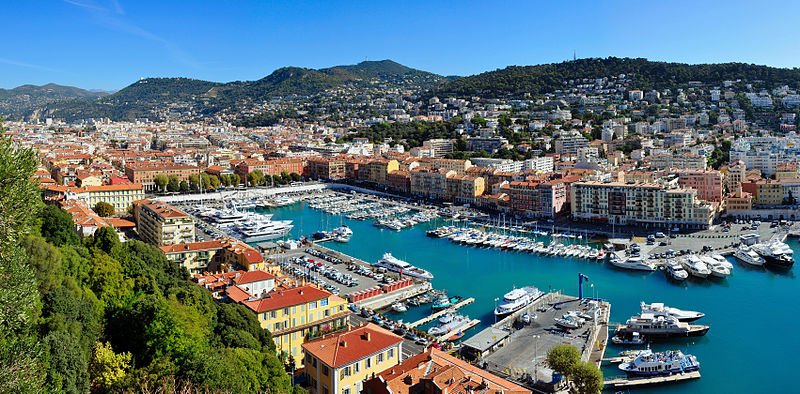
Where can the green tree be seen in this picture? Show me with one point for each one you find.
(184, 187)
(295, 177)
(225, 180)
(587, 378)
(563, 358)
(46, 262)
(214, 182)
(57, 226)
(108, 370)
(255, 178)
(105, 239)
(104, 209)
(194, 182)
(161, 182)
(285, 178)
(174, 184)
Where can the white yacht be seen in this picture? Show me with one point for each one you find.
(696, 267)
(748, 256)
(263, 231)
(632, 263)
(775, 253)
(658, 308)
(394, 264)
(717, 269)
(722, 261)
(226, 215)
(676, 271)
(447, 323)
(517, 299)
(342, 234)
(660, 326)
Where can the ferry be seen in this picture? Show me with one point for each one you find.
(748, 256)
(660, 326)
(658, 308)
(447, 323)
(649, 363)
(517, 299)
(394, 264)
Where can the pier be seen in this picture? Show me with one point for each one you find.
(632, 382)
(441, 313)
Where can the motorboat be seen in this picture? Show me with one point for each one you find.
(633, 339)
(722, 261)
(660, 326)
(633, 263)
(749, 256)
(517, 299)
(342, 234)
(394, 264)
(399, 307)
(447, 323)
(649, 363)
(696, 267)
(717, 269)
(568, 322)
(676, 271)
(657, 308)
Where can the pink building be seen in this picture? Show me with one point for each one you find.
(708, 183)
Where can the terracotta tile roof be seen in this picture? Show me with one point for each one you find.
(253, 276)
(344, 348)
(278, 299)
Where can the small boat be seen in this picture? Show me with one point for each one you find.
(633, 263)
(634, 339)
(696, 267)
(413, 301)
(399, 307)
(649, 363)
(447, 323)
(568, 322)
(342, 234)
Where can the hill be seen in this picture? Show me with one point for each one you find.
(518, 80)
(27, 97)
(157, 97)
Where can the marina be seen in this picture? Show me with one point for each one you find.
(496, 270)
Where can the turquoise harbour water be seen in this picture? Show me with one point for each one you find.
(752, 313)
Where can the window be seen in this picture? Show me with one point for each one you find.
(324, 390)
(391, 353)
(323, 302)
(325, 370)
(314, 362)
(312, 305)
(285, 311)
(356, 367)
(368, 362)
(380, 357)
(273, 315)
(346, 391)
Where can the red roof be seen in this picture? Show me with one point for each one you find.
(344, 348)
(278, 299)
(253, 276)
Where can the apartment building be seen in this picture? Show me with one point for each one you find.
(430, 183)
(542, 164)
(787, 170)
(464, 188)
(537, 199)
(339, 363)
(293, 315)
(161, 224)
(215, 256)
(568, 143)
(399, 182)
(738, 202)
(375, 171)
(707, 183)
(145, 173)
(688, 161)
(270, 167)
(121, 197)
(326, 168)
(459, 166)
(645, 204)
(438, 147)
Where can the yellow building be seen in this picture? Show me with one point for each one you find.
(339, 363)
(464, 188)
(216, 255)
(769, 193)
(162, 224)
(741, 201)
(293, 315)
(121, 197)
(430, 183)
(376, 171)
(787, 170)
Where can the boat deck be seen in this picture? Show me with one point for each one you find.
(631, 382)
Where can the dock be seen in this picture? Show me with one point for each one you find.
(447, 336)
(617, 360)
(631, 382)
(441, 313)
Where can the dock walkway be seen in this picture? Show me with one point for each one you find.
(630, 382)
(441, 313)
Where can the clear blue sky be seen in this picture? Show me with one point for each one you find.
(109, 44)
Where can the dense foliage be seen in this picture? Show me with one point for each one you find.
(410, 134)
(518, 80)
(80, 315)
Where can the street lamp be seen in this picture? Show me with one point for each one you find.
(535, 359)
(495, 309)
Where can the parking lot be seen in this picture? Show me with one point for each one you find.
(526, 353)
(335, 272)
